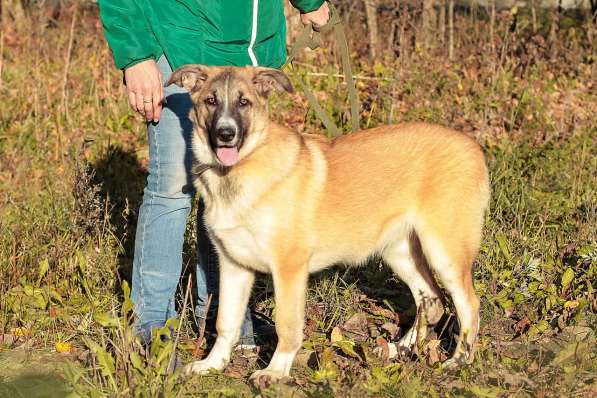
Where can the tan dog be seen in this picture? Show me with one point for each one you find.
(290, 204)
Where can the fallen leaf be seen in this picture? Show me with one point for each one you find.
(306, 357)
(7, 339)
(63, 347)
(382, 348)
(373, 331)
(336, 335)
(233, 372)
(522, 325)
(310, 327)
(384, 312)
(391, 328)
(433, 351)
(357, 326)
(52, 312)
(20, 332)
(347, 347)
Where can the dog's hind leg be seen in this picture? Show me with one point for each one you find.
(407, 261)
(235, 288)
(452, 262)
(290, 285)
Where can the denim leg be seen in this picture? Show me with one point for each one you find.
(163, 215)
(157, 263)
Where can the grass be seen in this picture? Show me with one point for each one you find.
(72, 168)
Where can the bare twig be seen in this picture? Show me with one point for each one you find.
(187, 294)
(202, 325)
(492, 26)
(1, 55)
(451, 29)
(342, 76)
(67, 61)
(428, 22)
(371, 11)
(442, 21)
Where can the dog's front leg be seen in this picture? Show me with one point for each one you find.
(235, 288)
(290, 284)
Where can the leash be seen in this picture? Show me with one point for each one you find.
(310, 37)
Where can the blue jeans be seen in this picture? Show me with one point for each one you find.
(163, 215)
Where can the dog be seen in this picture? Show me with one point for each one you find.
(291, 204)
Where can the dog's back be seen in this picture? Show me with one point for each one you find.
(393, 179)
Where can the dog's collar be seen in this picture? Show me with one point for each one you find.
(200, 168)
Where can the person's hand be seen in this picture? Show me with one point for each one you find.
(318, 17)
(145, 90)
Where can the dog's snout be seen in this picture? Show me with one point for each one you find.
(225, 134)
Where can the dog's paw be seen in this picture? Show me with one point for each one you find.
(265, 377)
(408, 342)
(457, 361)
(199, 367)
(390, 352)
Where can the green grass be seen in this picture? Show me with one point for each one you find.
(71, 183)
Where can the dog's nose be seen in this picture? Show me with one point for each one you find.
(225, 134)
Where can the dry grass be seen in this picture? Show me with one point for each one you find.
(72, 169)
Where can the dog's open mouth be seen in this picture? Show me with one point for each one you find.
(228, 156)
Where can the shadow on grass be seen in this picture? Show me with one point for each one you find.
(34, 385)
(122, 179)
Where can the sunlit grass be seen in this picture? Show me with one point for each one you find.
(70, 186)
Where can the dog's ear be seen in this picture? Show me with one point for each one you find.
(268, 79)
(190, 77)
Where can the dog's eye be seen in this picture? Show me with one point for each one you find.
(243, 102)
(211, 101)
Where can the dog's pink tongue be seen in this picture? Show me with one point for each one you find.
(228, 156)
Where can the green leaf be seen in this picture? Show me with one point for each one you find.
(506, 304)
(137, 362)
(40, 301)
(127, 305)
(347, 347)
(327, 368)
(325, 374)
(486, 392)
(28, 290)
(44, 265)
(104, 359)
(567, 277)
(55, 295)
(503, 245)
(567, 353)
(173, 323)
(81, 262)
(106, 320)
(539, 327)
(380, 375)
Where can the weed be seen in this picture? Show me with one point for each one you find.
(72, 166)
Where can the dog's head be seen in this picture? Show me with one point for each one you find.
(229, 108)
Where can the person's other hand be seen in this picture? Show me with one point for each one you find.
(145, 90)
(318, 17)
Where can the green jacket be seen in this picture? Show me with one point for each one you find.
(210, 32)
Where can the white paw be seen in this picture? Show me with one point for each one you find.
(458, 360)
(409, 340)
(200, 367)
(392, 351)
(265, 377)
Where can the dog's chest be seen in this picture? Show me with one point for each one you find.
(240, 238)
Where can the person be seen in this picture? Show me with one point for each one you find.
(148, 40)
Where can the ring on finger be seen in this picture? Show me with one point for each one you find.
(147, 101)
